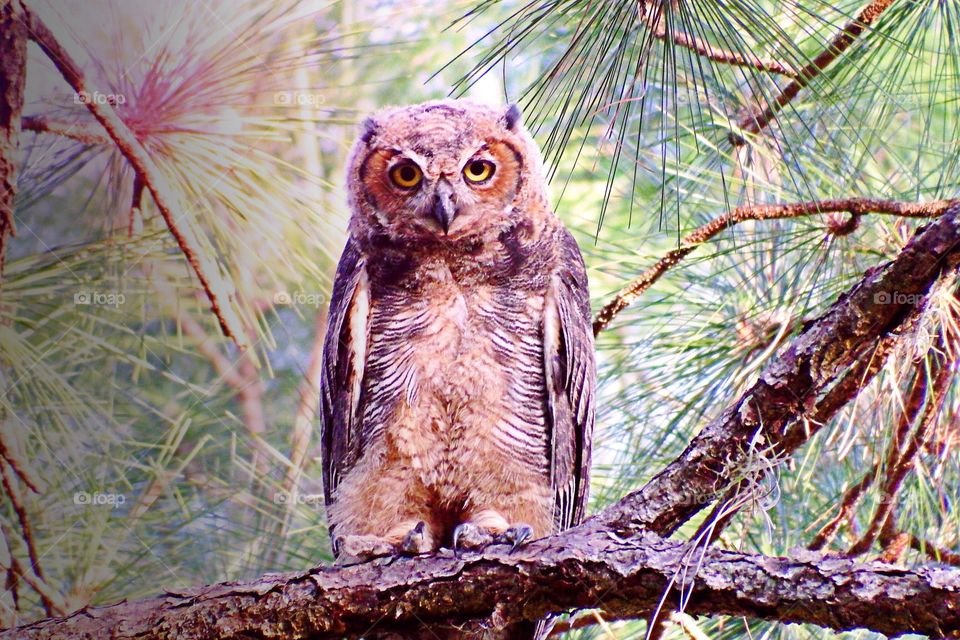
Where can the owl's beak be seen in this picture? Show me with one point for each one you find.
(444, 208)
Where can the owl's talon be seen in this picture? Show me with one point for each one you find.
(469, 536)
(515, 536)
(414, 543)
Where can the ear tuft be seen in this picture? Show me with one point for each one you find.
(368, 128)
(512, 117)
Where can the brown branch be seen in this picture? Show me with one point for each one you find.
(795, 386)
(658, 27)
(855, 206)
(50, 603)
(218, 288)
(755, 122)
(938, 378)
(76, 131)
(20, 467)
(13, 66)
(937, 553)
(567, 571)
(51, 600)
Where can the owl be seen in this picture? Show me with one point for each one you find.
(458, 367)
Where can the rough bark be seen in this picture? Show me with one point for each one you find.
(578, 569)
(13, 67)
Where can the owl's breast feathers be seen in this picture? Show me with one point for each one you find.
(455, 365)
(456, 375)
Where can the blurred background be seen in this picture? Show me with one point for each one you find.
(144, 449)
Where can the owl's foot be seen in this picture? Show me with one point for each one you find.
(469, 536)
(415, 542)
(366, 547)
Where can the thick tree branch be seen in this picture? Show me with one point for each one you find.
(218, 288)
(855, 206)
(577, 569)
(13, 65)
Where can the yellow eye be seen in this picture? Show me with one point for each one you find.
(478, 171)
(406, 175)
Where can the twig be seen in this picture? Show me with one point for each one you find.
(657, 25)
(26, 534)
(941, 374)
(136, 204)
(219, 289)
(20, 467)
(941, 555)
(753, 123)
(77, 131)
(855, 206)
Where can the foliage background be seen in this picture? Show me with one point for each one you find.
(205, 460)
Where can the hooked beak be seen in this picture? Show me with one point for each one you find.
(443, 209)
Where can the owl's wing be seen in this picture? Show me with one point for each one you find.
(344, 358)
(571, 382)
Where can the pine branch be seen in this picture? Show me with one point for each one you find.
(218, 288)
(755, 122)
(573, 570)
(855, 206)
(75, 131)
(658, 27)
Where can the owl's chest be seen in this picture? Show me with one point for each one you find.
(451, 333)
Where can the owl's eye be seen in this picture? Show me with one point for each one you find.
(406, 175)
(478, 171)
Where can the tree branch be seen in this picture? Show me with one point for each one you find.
(13, 66)
(76, 131)
(218, 288)
(855, 206)
(573, 570)
(756, 122)
(654, 20)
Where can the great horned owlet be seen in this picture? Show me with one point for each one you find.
(458, 369)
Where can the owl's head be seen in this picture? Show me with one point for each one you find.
(444, 171)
